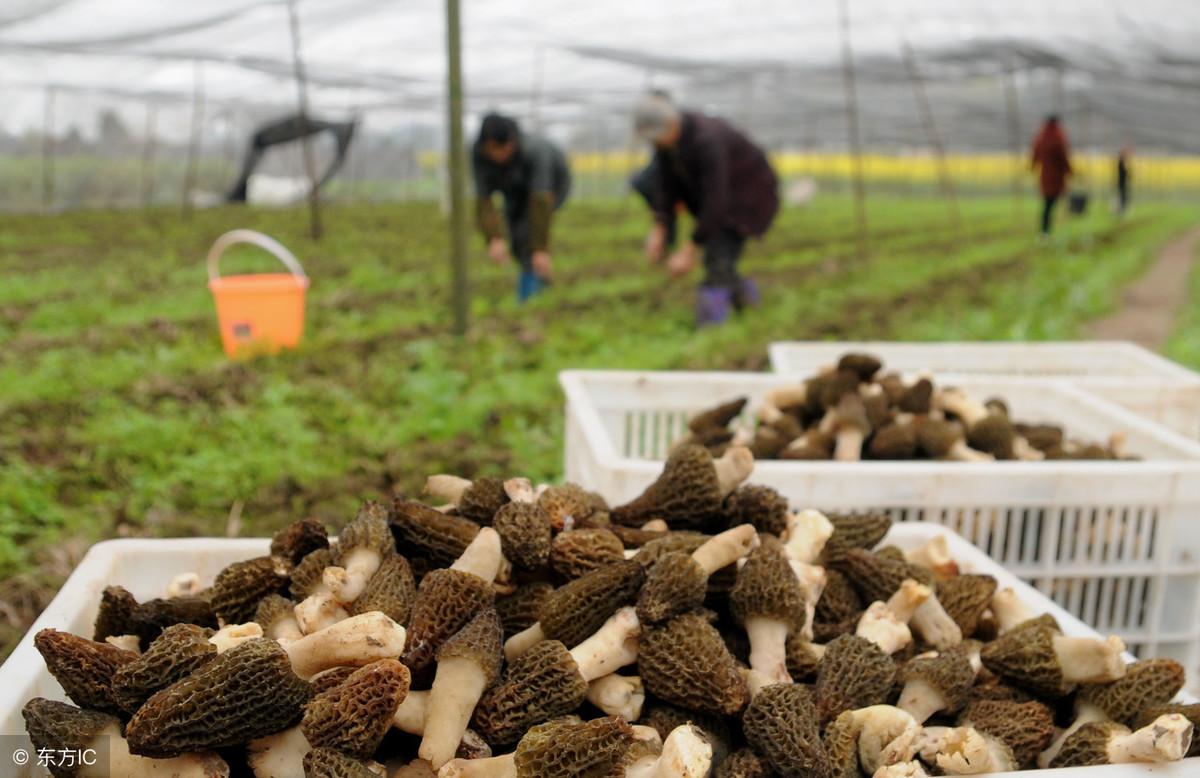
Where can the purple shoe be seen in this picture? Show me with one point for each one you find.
(748, 295)
(713, 304)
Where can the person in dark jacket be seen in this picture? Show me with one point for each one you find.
(727, 184)
(1052, 155)
(1123, 177)
(532, 175)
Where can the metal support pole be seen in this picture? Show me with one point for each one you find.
(848, 81)
(1012, 109)
(189, 173)
(457, 162)
(310, 165)
(945, 180)
(48, 151)
(148, 154)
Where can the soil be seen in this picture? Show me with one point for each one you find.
(1151, 305)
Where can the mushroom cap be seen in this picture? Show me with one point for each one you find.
(446, 600)
(329, 763)
(855, 530)
(965, 598)
(686, 663)
(937, 436)
(57, 726)
(1025, 727)
(839, 602)
(781, 726)
(421, 531)
(333, 677)
(569, 749)
(270, 610)
(575, 610)
(570, 503)
(576, 552)
(391, 590)
(525, 535)
(307, 575)
(84, 668)
(480, 640)
(121, 614)
(851, 414)
(718, 415)
(1088, 745)
(1146, 683)
(298, 539)
(949, 672)
(238, 588)
(767, 587)
(743, 763)
(854, 673)
(993, 434)
(687, 494)
(540, 684)
(893, 441)
(761, 506)
(675, 584)
(802, 661)
(481, 500)
(917, 398)
(369, 530)
(865, 366)
(1043, 437)
(816, 446)
(179, 651)
(353, 716)
(834, 387)
(841, 746)
(1025, 656)
(248, 691)
(518, 611)
(876, 575)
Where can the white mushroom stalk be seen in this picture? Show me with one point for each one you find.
(733, 467)
(935, 626)
(887, 735)
(686, 753)
(233, 635)
(280, 755)
(492, 767)
(768, 647)
(1166, 739)
(125, 642)
(655, 525)
(120, 762)
(353, 642)
(524, 640)
(482, 556)
(961, 452)
(935, 555)
(447, 488)
(813, 580)
(612, 647)
(520, 490)
(410, 716)
(1024, 451)
(966, 751)
(806, 535)
(322, 608)
(921, 699)
(781, 397)
(1009, 610)
(1090, 660)
(956, 402)
(886, 624)
(618, 695)
(725, 548)
(912, 769)
(457, 687)
(183, 585)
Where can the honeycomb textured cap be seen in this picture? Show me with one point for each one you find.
(1146, 683)
(718, 415)
(306, 576)
(655, 548)
(299, 539)
(542, 683)
(893, 441)
(781, 725)
(854, 673)
(1088, 745)
(271, 609)
(525, 535)
(178, 652)
(121, 614)
(965, 598)
(480, 640)
(839, 602)
(84, 668)
(993, 434)
(482, 499)
(936, 436)
(247, 692)
(573, 750)
(571, 504)
(676, 584)
(446, 600)
(328, 679)
(865, 366)
(391, 590)
(421, 531)
(353, 716)
(369, 530)
(518, 611)
(577, 552)
(949, 672)
(877, 576)
(767, 587)
(687, 494)
(575, 610)
(686, 663)
(841, 746)
(1025, 727)
(328, 763)
(743, 763)
(239, 588)
(855, 530)
(761, 506)
(57, 726)
(1190, 711)
(1025, 656)
(802, 660)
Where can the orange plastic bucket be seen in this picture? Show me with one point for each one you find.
(259, 313)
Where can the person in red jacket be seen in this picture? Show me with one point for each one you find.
(727, 184)
(1052, 155)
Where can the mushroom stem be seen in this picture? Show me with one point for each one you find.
(618, 695)
(961, 452)
(955, 401)
(1090, 660)
(233, 635)
(121, 762)
(1166, 739)
(686, 753)
(935, 555)
(1009, 610)
(456, 689)
(523, 641)
(493, 767)
(281, 754)
(921, 700)
(1084, 714)
(768, 647)
(655, 525)
(612, 646)
(812, 579)
(318, 611)
(966, 751)
(410, 716)
(183, 585)
(447, 488)
(733, 467)
(806, 535)
(726, 548)
(1023, 450)
(886, 624)
(935, 626)
(355, 641)
(887, 735)
(359, 565)
(848, 445)
(910, 769)
(520, 490)
(482, 555)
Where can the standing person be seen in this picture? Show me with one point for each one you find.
(532, 175)
(1123, 180)
(727, 184)
(1051, 154)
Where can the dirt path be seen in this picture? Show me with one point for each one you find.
(1150, 306)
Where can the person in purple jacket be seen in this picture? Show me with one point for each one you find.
(725, 182)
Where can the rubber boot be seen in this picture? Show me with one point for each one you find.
(748, 295)
(528, 284)
(713, 305)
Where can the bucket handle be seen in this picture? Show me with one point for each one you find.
(255, 238)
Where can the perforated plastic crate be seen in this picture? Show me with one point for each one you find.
(1115, 543)
(146, 566)
(1125, 373)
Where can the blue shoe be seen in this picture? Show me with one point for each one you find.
(748, 295)
(713, 305)
(528, 284)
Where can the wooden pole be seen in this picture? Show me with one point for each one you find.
(310, 165)
(1012, 110)
(48, 148)
(457, 168)
(148, 154)
(189, 173)
(945, 180)
(848, 81)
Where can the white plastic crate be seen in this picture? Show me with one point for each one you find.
(146, 566)
(1115, 543)
(1125, 373)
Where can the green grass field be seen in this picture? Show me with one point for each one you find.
(119, 414)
